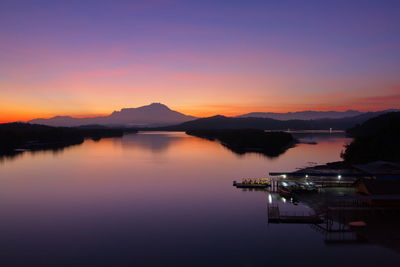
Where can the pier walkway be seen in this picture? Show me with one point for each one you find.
(275, 216)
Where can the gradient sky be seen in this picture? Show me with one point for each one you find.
(84, 58)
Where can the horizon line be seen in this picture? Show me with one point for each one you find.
(195, 114)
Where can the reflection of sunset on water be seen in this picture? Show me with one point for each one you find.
(158, 183)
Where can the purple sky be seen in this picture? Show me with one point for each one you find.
(199, 57)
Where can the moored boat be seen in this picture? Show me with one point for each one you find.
(252, 183)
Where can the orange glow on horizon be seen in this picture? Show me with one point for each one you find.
(14, 114)
(55, 63)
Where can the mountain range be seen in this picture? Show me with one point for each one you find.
(222, 122)
(303, 115)
(155, 114)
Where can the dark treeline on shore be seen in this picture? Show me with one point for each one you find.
(376, 139)
(240, 141)
(222, 122)
(24, 136)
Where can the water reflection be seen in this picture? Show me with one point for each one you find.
(16, 154)
(156, 142)
(160, 142)
(381, 227)
(267, 154)
(320, 136)
(156, 199)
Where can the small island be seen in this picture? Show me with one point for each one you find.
(240, 141)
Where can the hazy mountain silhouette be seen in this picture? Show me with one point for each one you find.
(222, 122)
(303, 115)
(155, 114)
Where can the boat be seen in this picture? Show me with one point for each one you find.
(242, 185)
(252, 183)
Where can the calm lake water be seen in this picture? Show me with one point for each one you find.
(160, 199)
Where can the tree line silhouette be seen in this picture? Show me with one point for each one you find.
(240, 141)
(376, 139)
(36, 137)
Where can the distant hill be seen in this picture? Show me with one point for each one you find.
(305, 115)
(155, 114)
(372, 126)
(222, 122)
(375, 140)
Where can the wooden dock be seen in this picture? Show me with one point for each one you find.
(241, 185)
(275, 216)
(253, 183)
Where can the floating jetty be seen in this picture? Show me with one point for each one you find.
(253, 183)
(275, 216)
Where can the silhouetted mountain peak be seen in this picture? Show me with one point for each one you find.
(217, 117)
(150, 107)
(157, 105)
(152, 114)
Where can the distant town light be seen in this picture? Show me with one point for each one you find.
(269, 198)
(306, 175)
(284, 175)
(284, 200)
(339, 177)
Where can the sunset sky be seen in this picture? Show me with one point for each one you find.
(85, 58)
